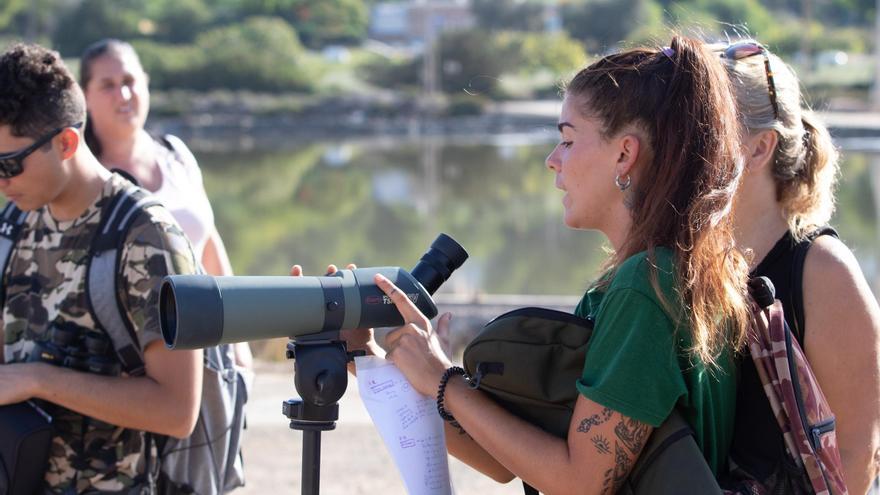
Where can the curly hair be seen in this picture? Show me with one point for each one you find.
(39, 93)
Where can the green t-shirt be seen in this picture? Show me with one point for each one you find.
(638, 361)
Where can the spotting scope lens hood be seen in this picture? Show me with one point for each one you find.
(199, 311)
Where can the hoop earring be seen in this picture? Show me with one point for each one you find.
(623, 185)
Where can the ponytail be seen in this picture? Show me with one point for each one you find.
(682, 196)
(808, 198)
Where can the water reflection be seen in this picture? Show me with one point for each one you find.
(381, 202)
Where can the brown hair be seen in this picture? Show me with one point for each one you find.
(805, 162)
(683, 193)
(39, 93)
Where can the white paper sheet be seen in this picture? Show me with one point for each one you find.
(408, 424)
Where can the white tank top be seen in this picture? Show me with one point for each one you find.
(183, 193)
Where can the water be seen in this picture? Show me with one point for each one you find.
(382, 201)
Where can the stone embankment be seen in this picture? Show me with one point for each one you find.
(227, 129)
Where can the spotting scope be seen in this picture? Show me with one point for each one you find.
(201, 310)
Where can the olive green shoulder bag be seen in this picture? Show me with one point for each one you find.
(528, 361)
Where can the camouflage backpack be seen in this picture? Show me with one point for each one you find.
(800, 407)
(209, 461)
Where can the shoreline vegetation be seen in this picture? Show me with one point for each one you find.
(225, 120)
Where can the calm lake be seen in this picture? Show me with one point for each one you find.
(381, 201)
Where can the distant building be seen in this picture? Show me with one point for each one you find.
(411, 23)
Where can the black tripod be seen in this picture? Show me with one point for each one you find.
(320, 378)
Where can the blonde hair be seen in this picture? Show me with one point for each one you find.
(805, 162)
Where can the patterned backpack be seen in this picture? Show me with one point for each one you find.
(209, 461)
(800, 407)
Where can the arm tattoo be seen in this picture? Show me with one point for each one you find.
(594, 420)
(601, 444)
(615, 477)
(632, 434)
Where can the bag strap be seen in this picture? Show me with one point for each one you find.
(180, 150)
(797, 276)
(104, 258)
(672, 430)
(12, 220)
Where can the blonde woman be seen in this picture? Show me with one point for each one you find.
(786, 199)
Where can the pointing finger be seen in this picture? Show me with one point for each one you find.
(407, 308)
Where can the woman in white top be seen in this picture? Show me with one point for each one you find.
(118, 101)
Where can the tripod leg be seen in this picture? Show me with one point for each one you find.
(311, 462)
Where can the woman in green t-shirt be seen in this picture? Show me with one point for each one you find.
(647, 156)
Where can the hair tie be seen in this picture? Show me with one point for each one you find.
(807, 139)
(668, 51)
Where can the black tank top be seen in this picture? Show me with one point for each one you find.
(758, 446)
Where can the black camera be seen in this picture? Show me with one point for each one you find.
(72, 346)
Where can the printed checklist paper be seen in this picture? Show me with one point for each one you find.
(408, 424)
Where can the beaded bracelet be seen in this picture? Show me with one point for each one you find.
(441, 390)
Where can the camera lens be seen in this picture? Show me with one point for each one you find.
(66, 335)
(97, 344)
(437, 264)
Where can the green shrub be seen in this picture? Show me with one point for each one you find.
(170, 66)
(260, 54)
(558, 53)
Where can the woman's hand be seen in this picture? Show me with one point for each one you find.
(414, 347)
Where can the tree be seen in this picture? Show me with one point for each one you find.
(318, 22)
(179, 21)
(726, 15)
(262, 54)
(509, 15)
(558, 53)
(471, 61)
(602, 24)
(93, 20)
(30, 19)
(173, 21)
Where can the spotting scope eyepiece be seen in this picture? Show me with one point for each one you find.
(201, 311)
(439, 261)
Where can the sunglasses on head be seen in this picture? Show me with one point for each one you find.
(745, 49)
(12, 164)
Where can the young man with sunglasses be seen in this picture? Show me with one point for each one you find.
(48, 173)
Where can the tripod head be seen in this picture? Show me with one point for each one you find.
(320, 378)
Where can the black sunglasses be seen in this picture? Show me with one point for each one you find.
(745, 49)
(12, 164)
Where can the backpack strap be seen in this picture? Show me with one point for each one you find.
(102, 273)
(180, 150)
(11, 223)
(797, 277)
